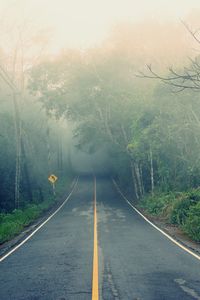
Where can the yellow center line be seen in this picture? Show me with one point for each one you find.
(95, 276)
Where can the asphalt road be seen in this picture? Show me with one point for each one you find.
(135, 260)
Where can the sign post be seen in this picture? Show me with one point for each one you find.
(53, 178)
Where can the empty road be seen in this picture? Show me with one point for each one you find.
(133, 260)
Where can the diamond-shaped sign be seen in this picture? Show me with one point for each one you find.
(53, 178)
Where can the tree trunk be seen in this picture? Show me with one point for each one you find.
(26, 172)
(137, 172)
(141, 176)
(17, 122)
(59, 155)
(134, 181)
(152, 172)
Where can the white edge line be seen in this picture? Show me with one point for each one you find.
(40, 226)
(147, 220)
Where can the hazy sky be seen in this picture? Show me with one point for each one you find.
(82, 23)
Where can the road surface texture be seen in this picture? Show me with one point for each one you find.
(135, 261)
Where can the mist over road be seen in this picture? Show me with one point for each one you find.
(134, 260)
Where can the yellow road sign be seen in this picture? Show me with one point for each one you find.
(53, 178)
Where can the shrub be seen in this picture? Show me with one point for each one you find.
(32, 212)
(8, 230)
(19, 216)
(12, 223)
(158, 204)
(181, 206)
(45, 205)
(192, 222)
(180, 211)
(194, 195)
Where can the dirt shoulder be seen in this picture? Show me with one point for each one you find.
(174, 231)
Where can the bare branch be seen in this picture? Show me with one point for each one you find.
(193, 33)
(190, 76)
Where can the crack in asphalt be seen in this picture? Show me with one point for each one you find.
(111, 283)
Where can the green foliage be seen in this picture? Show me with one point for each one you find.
(182, 205)
(13, 223)
(158, 204)
(182, 209)
(8, 229)
(194, 195)
(192, 222)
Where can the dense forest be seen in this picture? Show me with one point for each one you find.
(150, 130)
(33, 145)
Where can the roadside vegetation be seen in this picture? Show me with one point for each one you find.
(179, 208)
(11, 224)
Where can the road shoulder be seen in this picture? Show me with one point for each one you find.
(7, 246)
(172, 231)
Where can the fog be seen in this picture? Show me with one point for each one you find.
(98, 87)
(87, 23)
(97, 163)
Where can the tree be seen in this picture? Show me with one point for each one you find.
(188, 78)
(93, 91)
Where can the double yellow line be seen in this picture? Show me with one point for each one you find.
(95, 276)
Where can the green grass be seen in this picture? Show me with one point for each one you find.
(13, 223)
